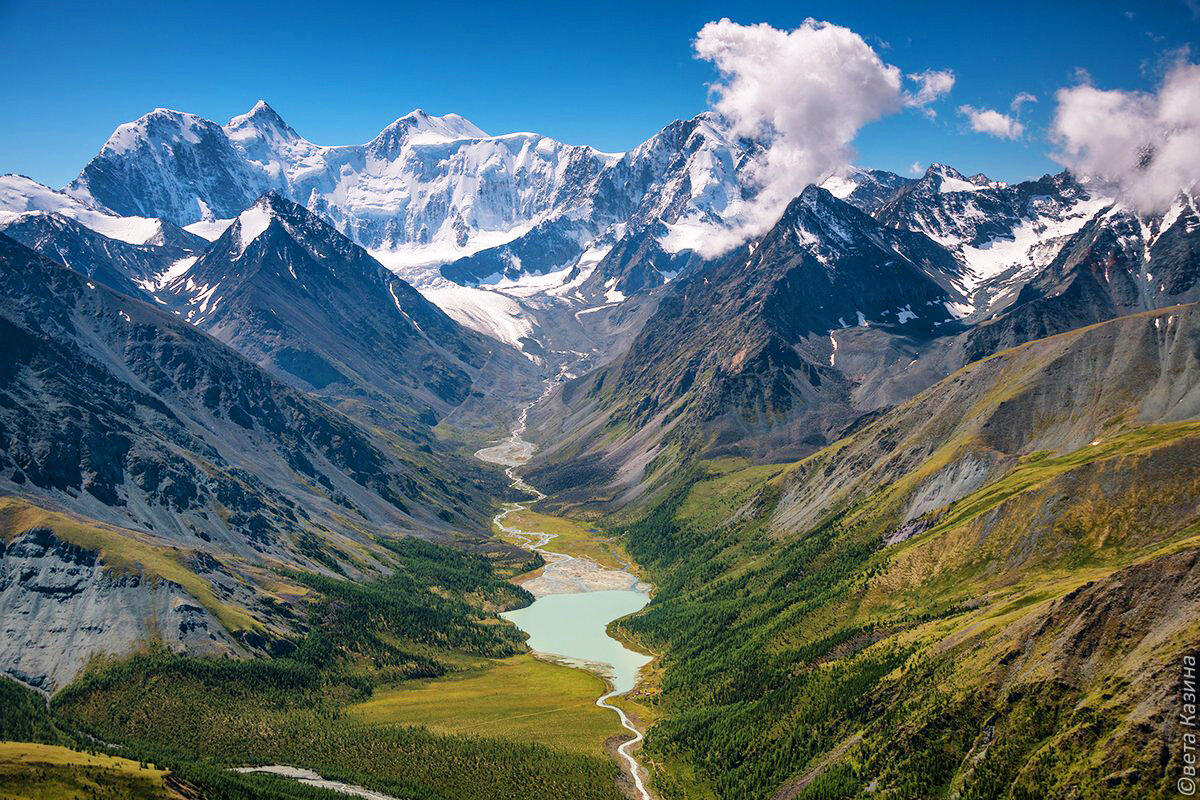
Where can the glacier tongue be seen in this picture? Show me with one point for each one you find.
(489, 312)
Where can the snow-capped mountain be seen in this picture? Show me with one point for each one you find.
(1119, 262)
(136, 270)
(22, 197)
(532, 241)
(429, 189)
(676, 186)
(866, 189)
(771, 351)
(436, 198)
(426, 189)
(1001, 234)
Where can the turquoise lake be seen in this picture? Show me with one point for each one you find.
(573, 626)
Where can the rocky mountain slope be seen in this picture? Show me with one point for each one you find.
(741, 347)
(296, 297)
(131, 434)
(1119, 262)
(772, 351)
(987, 591)
(136, 270)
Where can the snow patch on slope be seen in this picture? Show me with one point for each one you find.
(839, 187)
(1030, 246)
(169, 274)
(209, 229)
(251, 224)
(20, 195)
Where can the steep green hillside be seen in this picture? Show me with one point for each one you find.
(985, 593)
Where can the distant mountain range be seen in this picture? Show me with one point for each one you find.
(868, 289)
(779, 347)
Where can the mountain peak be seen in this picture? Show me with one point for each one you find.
(262, 121)
(255, 220)
(943, 178)
(940, 170)
(161, 124)
(449, 127)
(272, 199)
(816, 215)
(812, 197)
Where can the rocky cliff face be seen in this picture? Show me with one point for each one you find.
(296, 297)
(61, 608)
(158, 426)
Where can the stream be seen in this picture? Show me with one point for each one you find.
(575, 599)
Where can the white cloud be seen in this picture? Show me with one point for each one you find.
(992, 122)
(805, 93)
(934, 85)
(1021, 99)
(1147, 143)
(915, 168)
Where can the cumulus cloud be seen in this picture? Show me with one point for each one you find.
(992, 122)
(804, 93)
(1147, 143)
(915, 168)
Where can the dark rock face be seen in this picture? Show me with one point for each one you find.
(636, 264)
(111, 408)
(132, 178)
(1114, 266)
(118, 265)
(550, 245)
(312, 307)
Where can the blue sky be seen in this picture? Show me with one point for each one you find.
(608, 75)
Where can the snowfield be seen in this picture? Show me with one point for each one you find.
(20, 195)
